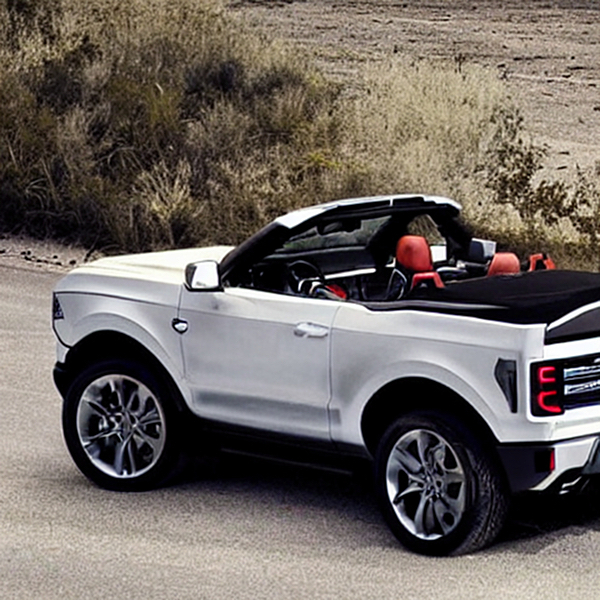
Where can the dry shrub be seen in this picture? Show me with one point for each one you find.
(528, 213)
(423, 126)
(152, 124)
(126, 122)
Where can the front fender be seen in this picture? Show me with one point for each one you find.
(147, 324)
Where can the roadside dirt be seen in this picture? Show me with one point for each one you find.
(26, 253)
(547, 52)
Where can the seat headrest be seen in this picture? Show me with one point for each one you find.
(414, 254)
(504, 263)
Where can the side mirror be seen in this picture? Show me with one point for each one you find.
(203, 276)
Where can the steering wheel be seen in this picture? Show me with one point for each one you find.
(302, 275)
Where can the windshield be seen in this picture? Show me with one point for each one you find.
(336, 234)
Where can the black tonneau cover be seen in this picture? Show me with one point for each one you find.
(527, 298)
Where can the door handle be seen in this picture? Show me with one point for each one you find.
(314, 330)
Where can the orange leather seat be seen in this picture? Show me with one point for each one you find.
(504, 263)
(413, 257)
(540, 261)
(414, 254)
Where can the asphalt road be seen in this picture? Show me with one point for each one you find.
(241, 529)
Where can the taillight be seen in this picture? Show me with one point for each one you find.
(546, 390)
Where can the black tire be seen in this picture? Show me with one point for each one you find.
(439, 490)
(122, 427)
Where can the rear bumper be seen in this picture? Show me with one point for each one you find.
(540, 467)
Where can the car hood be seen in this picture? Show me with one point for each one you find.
(157, 266)
(145, 276)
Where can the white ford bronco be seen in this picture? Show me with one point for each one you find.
(376, 328)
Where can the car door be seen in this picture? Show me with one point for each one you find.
(259, 359)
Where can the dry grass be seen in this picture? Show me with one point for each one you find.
(424, 127)
(150, 124)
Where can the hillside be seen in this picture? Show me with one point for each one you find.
(547, 53)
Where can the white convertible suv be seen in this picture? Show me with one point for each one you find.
(377, 328)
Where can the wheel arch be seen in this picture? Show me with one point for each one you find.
(105, 345)
(409, 394)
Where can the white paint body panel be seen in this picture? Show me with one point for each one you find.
(306, 366)
(247, 361)
(242, 362)
(371, 349)
(136, 295)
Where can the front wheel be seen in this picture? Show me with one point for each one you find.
(438, 488)
(121, 426)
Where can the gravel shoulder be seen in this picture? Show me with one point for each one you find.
(26, 253)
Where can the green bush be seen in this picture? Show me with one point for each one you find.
(565, 218)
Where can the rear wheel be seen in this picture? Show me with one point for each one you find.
(121, 426)
(439, 490)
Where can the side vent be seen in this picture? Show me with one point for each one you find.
(506, 377)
